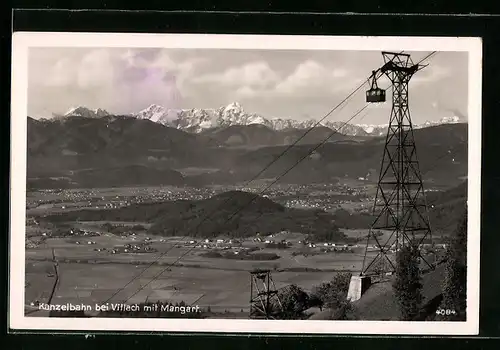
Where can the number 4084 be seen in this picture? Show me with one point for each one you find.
(446, 312)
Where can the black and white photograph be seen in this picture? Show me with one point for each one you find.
(245, 183)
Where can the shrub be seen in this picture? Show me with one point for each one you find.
(345, 311)
(331, 294)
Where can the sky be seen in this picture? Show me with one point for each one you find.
(298, 84)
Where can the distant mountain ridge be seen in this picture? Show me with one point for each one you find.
(197, 120)
(141, 152)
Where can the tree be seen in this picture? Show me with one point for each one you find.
(319, 295)
(407, 284)
(455, 281)
(331, 294)
(294, 302)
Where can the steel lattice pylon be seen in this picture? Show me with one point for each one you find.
(264, 298)
(400, 207)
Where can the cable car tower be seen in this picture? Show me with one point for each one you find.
(400, 207)
(264, 297)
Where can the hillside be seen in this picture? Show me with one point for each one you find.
(449, 134)
(258, 135)
(243, 135)
(445, 210)
(379, 302)
(441, 151)
(107, 177)
(78, 143)
(234, 213)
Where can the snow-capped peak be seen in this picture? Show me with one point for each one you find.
(454, 119)
(450, 120)
(86, 112)
(234, 107)
(157, 114)
(197, 119)
(146, 113)
(100, 112)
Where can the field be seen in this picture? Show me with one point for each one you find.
(88, 276)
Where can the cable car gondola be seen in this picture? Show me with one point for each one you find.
(375, 94)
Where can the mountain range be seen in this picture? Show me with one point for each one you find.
(81, 151)
(198, 120)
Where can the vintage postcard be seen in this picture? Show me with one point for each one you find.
(245, 184)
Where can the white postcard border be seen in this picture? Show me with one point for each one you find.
(22, 41)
